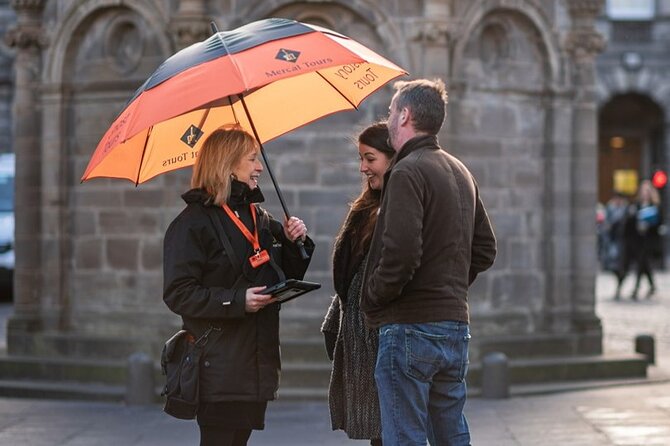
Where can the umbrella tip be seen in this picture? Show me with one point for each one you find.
(215, 29)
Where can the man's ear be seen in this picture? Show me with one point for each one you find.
(405, 116)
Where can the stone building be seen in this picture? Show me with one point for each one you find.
(633, 96)
(522, 114)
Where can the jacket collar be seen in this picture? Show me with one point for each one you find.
(240, 195)
(417, 143)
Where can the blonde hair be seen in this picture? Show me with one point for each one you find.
(221, 152)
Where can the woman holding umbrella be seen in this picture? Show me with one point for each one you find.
(354, 405)
(220, 253)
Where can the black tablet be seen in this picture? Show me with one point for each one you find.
(290, 289)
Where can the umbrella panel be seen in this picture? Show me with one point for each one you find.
(274, 109)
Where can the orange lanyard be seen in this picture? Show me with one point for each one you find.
(253, 238)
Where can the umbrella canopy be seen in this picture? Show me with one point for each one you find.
(270, 77)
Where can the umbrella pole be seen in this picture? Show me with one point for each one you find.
(299, 242)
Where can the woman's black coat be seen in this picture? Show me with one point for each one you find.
(201, 286)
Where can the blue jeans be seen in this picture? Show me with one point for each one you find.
(420, 377)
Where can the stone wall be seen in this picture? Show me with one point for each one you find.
(521, 115)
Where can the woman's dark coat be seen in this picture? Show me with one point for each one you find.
(200, 284)
(352, 394)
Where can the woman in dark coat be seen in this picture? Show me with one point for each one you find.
(210, 287)
(354, 405)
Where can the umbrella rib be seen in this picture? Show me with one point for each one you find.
(230, 101)
(144, 150)
(232, 59)
(299, 242)
(337, 89)
(272, 176)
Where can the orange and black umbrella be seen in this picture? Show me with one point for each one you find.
(269, 77)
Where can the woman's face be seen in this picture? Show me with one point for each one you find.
(249, 169)
(373, 165)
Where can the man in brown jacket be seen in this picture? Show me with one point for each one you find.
(432, 238)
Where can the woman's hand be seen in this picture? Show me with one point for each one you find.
(295, 229)
(255, 300)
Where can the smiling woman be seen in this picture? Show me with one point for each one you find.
(220, 254)
(351, 346)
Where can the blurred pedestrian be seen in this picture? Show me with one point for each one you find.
(432, 238)
(617, 253)
(648, 218)
(352, 395)
(220, 253)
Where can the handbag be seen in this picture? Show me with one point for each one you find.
(180, 363)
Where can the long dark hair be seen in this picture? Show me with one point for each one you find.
(362, 216)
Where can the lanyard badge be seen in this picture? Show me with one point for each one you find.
(260, 256)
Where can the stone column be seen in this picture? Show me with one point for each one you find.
(27, 37)
(583, 43)
(428, 40)
(190, 24)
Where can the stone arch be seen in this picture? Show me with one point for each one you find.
(617, 81)
(528, 15)
(79, 15)
(391, 37)
(504, 63)
(88, 77)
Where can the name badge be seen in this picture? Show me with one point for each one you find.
(259, 258)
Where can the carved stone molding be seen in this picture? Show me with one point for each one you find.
(584, 8)
(27, 32)
(431, 32)
(584, 45)
(583, 42)
(27, 5)
(189, 30)
(190, 24)
(25, 37)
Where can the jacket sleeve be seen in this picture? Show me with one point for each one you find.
(292, 263)
(483, 242)
(185, 258)
(402, 244)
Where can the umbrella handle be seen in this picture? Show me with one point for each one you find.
(301, 247)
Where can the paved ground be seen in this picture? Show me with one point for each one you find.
(625, 318)
(620, 415)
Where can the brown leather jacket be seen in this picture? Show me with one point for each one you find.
(432, 238)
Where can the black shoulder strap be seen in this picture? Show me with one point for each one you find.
(223, 238)
(266, 218)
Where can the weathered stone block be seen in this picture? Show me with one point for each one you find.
(322, 198)
(122, 254)
(144, 198)
(294, 171)
(88, 254)
(151, 253)
(129, 222)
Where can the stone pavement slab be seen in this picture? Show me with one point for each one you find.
(621, 416)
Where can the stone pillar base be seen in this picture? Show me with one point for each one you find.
(21, 330)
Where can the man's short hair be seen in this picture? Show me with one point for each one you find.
(427, 101)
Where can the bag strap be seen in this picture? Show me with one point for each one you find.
(265, 217)
(223, 238)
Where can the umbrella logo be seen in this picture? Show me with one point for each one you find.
(191, 136)
(288, 55)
